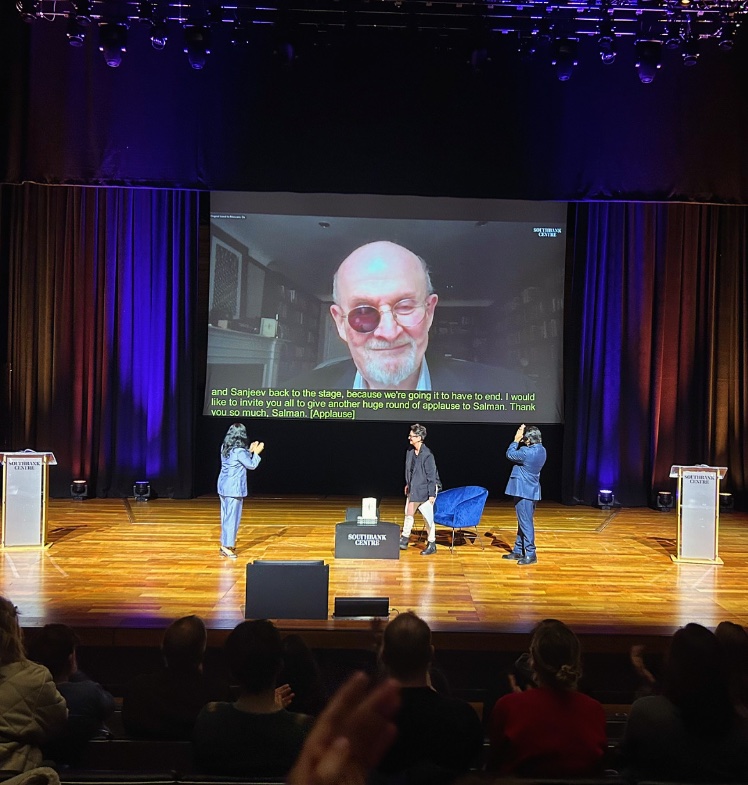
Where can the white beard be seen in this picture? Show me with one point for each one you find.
(389, 371)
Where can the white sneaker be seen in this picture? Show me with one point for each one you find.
(226, 551)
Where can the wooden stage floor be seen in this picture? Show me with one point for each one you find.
(117, 568)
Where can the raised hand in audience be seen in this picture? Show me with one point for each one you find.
(283, 696)
(350, 736)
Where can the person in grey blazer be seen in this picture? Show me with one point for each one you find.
(528, 455)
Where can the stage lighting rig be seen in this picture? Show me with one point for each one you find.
(565, 58)
(28, 9)
(648, 59)
(112, 42)
(197, 44)
(574, 26)
(606, 44)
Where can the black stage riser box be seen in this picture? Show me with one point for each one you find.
(287, 590)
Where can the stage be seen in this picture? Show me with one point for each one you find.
(119, 570)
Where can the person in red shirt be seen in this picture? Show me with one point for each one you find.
(551, 729)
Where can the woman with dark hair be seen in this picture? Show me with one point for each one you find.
(236, 459)
(691, 732)
(32, 711)
(551, 730)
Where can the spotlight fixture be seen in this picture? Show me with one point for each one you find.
(141, 491)
(28, 9)
(197, 44)
(528, 48)
(76, 32)
(691, 51)
(605, 499)
(726, 38)
(664, 501)
(79, 490)
(82, 11)
(240, 35)
(726, 502)
(147, 11)
(673, 37)
(606, 42)
(649, 59)
(159, 35)
(565, 58)
(113, 42)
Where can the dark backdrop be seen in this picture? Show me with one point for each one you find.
(105, 310)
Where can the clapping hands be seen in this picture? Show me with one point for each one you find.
(520, 433)
(350, 736)
(258, 447)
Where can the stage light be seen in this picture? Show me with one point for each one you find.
(664, 501)
(113, 42)
(673, 37)
(726, 38)
(241, 35)
(649, 59)
(606, 42)
(141, 491)
(147, 11)
(159, 35)
(565, 58)
(528, 48)
(76, 32)
(691, 51)
(197, 44)
(79, 490)
(605, 499)
(726, 502)
(28, 9)
(82, 11)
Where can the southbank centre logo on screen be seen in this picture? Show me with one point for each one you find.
(547, 231)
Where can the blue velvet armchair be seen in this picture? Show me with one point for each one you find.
(460, 508)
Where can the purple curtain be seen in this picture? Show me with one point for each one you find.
(657, 347)
(102, 292)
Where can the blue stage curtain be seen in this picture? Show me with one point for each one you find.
(656, 347)
(102, 295)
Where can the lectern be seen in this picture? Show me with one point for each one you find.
(25, 491)
(698, 513)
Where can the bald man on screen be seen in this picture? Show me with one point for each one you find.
(383, 310)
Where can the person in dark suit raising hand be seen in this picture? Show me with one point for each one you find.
(528, 455)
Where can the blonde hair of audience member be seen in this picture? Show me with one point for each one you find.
(555, 655)
(11, 637)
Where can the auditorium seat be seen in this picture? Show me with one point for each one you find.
(134, 755)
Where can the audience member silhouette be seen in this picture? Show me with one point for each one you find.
(302, 673)
(89, 704)
(165, 704)
(32, 711)
(255, 736)
(550, 730)
(734, 641)
(438, 737)
(691, 732)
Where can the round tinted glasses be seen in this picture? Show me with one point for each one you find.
(366, 318)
